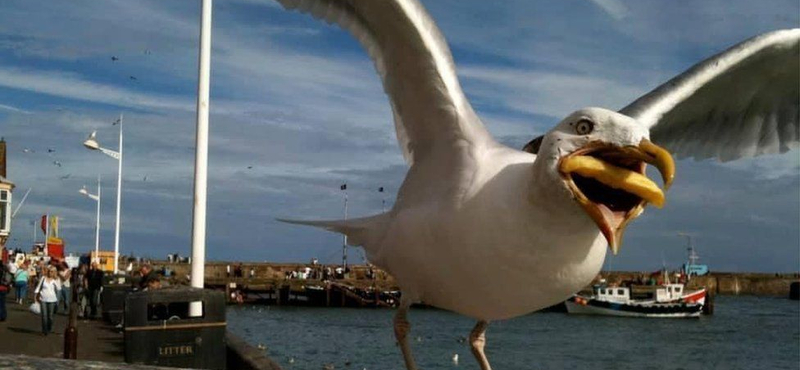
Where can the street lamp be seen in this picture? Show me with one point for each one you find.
(97, 225)
(91, 143)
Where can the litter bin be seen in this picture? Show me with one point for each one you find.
(160, 331)
(112, 300)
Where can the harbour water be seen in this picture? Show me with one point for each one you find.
(744, 333)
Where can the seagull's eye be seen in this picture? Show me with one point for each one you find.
(584, 127)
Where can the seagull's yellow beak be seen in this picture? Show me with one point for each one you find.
(610, 184)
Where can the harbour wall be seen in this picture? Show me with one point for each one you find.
(724, 283)
(727, 283)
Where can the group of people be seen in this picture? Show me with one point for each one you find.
(52, 284)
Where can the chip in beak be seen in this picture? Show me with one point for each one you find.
(609, 182)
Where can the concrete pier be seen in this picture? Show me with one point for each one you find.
(21, 334)
(100, 345)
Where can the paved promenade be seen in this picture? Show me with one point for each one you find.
(21, 334)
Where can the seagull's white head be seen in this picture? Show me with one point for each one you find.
(599, 157)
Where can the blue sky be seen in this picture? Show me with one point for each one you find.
(299, 102)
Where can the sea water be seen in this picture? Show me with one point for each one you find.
(743, 333)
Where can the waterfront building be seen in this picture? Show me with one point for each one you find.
(6, 187)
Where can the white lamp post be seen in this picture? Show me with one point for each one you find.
(92, 143)
(96, 197)
(201, 157)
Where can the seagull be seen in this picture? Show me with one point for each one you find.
(57, 163)
(492, 232)
(114, 59)
(65, 176)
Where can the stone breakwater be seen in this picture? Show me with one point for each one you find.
(728, 283)
(725, 283)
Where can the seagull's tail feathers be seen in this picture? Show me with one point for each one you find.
(360, 231)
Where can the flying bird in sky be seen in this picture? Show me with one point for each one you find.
(57, 163)
(493, 232)
(114, 59)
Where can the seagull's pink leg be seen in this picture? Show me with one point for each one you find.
(401, 328)
(477, 340)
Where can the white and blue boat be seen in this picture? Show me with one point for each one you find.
(665, 301)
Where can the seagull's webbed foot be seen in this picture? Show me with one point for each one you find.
(401, 329)
(477, 340)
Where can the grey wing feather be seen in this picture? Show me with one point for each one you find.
(360, 231)
(742, 102)
(416, 68)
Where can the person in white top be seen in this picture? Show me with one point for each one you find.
(47, 295)
(64, 275)
(12, 267)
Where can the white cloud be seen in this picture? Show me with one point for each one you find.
(615, 8)
(549, 93)
(768, 167)
(13, 109)
(73, 86)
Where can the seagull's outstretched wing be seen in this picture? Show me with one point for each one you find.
(742, 102)
(416, 67)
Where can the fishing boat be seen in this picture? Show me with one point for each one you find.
(669, 300)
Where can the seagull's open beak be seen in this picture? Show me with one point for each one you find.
(609, 182)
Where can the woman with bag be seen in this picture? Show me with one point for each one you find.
(47, 296)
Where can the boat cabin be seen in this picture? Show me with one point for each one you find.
(612, 294)
(669, 292)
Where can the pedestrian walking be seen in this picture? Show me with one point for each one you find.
(147, 274)
(21, 282)
(83, 297)
(12, 267)
(47, 296)
(6, 279)
(64, 296)
(94, 284)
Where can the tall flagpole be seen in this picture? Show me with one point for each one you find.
(201, 157)
(119, 201)
(344, 238)
(97, 226)
(46, 234)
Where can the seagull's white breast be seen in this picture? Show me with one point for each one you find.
(500, 250)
